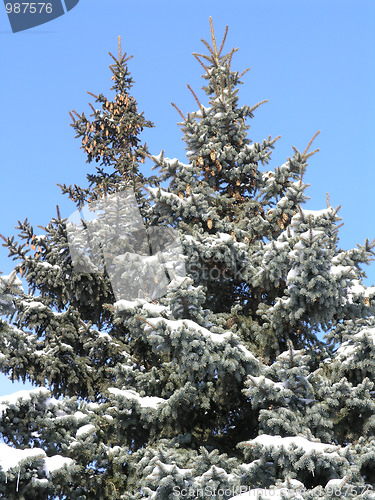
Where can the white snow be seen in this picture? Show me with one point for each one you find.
(104, 335)
(85, 429)
(156, 192)
(159, 157)
(345, 353)
(169, 468)
(266, 382)
(33, 304)
(11, 278)
(333, 483)
(189, 324)
(128, 305)
(300, 442)
(340, 270)
(199, 113)
(93, 406)
(11, 399)
(153, 308)
(248, 354)
(55, 463)
(307, 235)
(47, 265)
(225, 237)
(145, 402)
(317, 213)
(295, 271)
(78, 415)
(11, 458)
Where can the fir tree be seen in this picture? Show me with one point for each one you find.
(209, 379)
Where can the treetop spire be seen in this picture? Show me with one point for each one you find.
(215, 55)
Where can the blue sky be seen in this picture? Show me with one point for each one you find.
(313, 60)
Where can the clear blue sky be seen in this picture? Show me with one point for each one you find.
(313, 59)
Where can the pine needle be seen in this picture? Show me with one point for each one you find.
(113, 57)
(208, 46)
(257, 105)
(200, 62)
(309, 144)
(311, 154)
(195, 97)
(231, 55)
(224, 38)
(214, 40)
(179, 111)
(243, 73)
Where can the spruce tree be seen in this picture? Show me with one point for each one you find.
(171, 326)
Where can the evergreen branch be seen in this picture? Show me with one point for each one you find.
(290, 343)
(224, 38)
(208, 47)
(257, 106)
(88, 326)
(75, 112)
(228, 82)
(230, 55)
(179, 111)
(276, 138)
(191, 231)
(328, 205)
(195, 97)
(109, 307)
(311, 154)
(92, 107)
(126, 58)
(96, 97)
(214, 40)
(309, 144)
(222, 87)
(119, 48)
(301, 213)
(195, 54)
(216, 90)
(252, 381)
(145, 321)
(337, 209)
(200, 62)
(113, 57)
(243, 73)
(311, 233)
(72, 117)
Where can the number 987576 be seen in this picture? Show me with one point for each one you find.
(28, 8)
